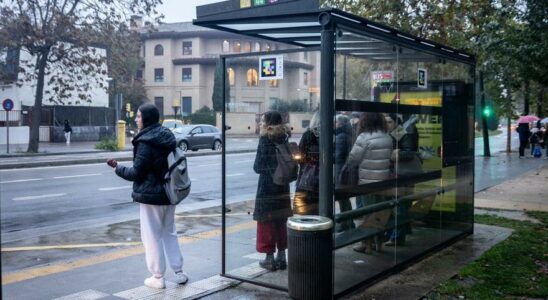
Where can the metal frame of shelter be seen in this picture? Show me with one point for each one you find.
(303, 24)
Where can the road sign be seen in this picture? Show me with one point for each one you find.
(7, 104)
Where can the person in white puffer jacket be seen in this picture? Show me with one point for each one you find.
(371, 153)
(372, 150)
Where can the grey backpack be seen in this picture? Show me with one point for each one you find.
(286, 171)
(177, 181)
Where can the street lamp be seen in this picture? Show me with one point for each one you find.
(176, 104)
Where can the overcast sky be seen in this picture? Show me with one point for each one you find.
(181, 10)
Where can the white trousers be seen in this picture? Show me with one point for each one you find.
(159, 235)
(67, 137)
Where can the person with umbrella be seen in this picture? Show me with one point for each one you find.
(524, 132)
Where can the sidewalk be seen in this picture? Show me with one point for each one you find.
(118, 272)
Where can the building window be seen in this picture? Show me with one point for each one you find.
(305, 55)
(257, 47)
(187, 74)
(252, 77)
(231, 77)
(237, 47)
(139, 74)
(267, 47)
(158, 75)
(187, 48)
(158, 50)
(273, 83)
(187, 106)
(226, 46)
(247, 47)
(159, 102)
(305, 78)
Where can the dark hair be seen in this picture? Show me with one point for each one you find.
(371, 122)
(149, 114)
(394, 118)
(272, 118)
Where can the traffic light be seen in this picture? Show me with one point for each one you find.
(128, 107)
(487, 111)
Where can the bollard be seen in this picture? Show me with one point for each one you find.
(121, 135)
(310, 257)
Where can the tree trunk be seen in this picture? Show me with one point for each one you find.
(508, 135)
(34, 136)
(526, 94)
(540, 101)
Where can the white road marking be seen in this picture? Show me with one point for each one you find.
(115, 188)
(243, 161)
(218, 164)
(235, 174)
(74, 176)
(37, 197)
(21, 180)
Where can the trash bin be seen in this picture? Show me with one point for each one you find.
(310, 257)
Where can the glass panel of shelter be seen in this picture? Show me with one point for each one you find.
(396, 149)
(257, 207)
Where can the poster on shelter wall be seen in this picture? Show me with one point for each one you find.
(384, 78)
(271, 67)
(422, 78)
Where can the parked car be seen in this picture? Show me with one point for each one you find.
(199, 136)
(172, 124)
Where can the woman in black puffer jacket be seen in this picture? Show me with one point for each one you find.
(151, 147)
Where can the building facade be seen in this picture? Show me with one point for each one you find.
(180, 62)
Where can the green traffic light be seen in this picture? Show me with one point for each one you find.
(487, 111)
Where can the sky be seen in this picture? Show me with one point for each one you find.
(181, 10)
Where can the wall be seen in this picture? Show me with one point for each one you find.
(241, 123)
(83, 133)
(18, 135)
(245, 123)
(295, 121)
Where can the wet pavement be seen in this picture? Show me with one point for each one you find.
(110, 263)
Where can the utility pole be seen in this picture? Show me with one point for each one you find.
(486, 149)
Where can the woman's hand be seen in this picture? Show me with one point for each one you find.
(112, 162)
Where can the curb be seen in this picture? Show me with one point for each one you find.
(98, 160)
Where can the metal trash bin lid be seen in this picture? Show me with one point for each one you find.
(309, 223)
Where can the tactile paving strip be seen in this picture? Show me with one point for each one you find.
(84, 295)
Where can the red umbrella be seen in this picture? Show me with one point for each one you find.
(528, 119)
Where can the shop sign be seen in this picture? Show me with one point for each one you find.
(271, 67)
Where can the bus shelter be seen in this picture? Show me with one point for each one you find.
(329, 73)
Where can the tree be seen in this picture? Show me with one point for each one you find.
(217, 96)
(60, 35)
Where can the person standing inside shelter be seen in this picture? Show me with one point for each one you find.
(307, 197)
(343, 144)
(372, 152)
(272, 201)
(151, 147)
(68, 131)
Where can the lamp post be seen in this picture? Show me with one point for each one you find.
(176, 104)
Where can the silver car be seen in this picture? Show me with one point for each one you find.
(199, 136)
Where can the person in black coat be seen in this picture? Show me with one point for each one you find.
(307, 197)
(272, 203)
(68, 131)
(151, 147)
(343, 144)
(524, 133)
